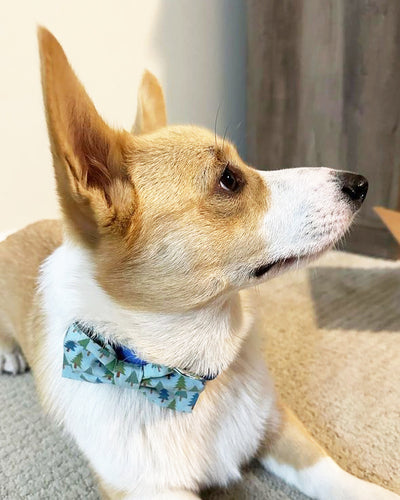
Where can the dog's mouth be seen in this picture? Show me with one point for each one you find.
(279, 265)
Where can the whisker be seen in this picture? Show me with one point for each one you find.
(215, 124)
(223, 140)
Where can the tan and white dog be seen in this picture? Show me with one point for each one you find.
(166, 232)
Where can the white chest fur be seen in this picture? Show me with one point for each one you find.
(132, 443)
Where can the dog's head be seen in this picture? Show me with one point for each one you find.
(172, 217)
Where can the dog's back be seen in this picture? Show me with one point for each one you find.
(21, 255)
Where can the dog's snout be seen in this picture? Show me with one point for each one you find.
(354, 186)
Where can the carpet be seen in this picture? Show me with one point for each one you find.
(332, 342)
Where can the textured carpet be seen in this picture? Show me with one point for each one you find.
(333, 346)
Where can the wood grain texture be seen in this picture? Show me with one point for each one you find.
(324, 90)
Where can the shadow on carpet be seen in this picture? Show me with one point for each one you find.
(368, 299)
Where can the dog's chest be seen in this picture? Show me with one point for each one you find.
(133, 443)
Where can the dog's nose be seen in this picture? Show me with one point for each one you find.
(354, 186)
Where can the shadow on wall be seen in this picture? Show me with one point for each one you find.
(217, 80)
(356, 299)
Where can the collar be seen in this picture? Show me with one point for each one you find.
(89, 357)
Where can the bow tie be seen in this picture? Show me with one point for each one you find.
(89, 357)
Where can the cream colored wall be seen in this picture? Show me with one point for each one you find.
(196, 48)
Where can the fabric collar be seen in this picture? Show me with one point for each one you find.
(89, 357)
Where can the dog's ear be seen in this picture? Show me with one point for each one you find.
(151, 110)
(93, 184)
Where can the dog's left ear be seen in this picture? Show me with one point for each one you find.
(90, 158)
(151, 110)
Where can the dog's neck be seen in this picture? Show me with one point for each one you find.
(204, 341)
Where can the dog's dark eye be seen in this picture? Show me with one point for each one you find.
(228, 180)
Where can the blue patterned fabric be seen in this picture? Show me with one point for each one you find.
(90, 358)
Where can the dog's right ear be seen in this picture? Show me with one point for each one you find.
(151, 110)
(92, 177)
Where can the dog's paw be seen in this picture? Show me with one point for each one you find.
(12, 362)
(373, 492)
(357, 489)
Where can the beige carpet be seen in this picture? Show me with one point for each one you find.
(334, 349)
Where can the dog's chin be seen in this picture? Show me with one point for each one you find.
(271, 269)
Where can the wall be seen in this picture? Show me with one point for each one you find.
(197, 49)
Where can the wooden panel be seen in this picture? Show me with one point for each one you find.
(391, 219)
(273, 81)
(323, 89)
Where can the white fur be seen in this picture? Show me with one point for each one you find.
(12, 361)
(327, 481)
(133, 444)
(203, 340)
(307, 211)
(166, 495)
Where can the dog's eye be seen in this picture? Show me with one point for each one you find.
(228, 180)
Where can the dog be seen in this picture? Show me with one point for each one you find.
(166, 232)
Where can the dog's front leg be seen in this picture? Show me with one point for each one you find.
(293, 455)
(170, 495)
(167, 495)
(108, 493)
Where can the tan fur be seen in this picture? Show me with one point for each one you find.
(21, 254)
(100, 171)
(89, 157)
(214, 219)
(292, 444)
(151, 110)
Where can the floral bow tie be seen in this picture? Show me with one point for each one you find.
(92, 359)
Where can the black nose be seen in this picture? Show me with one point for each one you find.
(354, 186)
